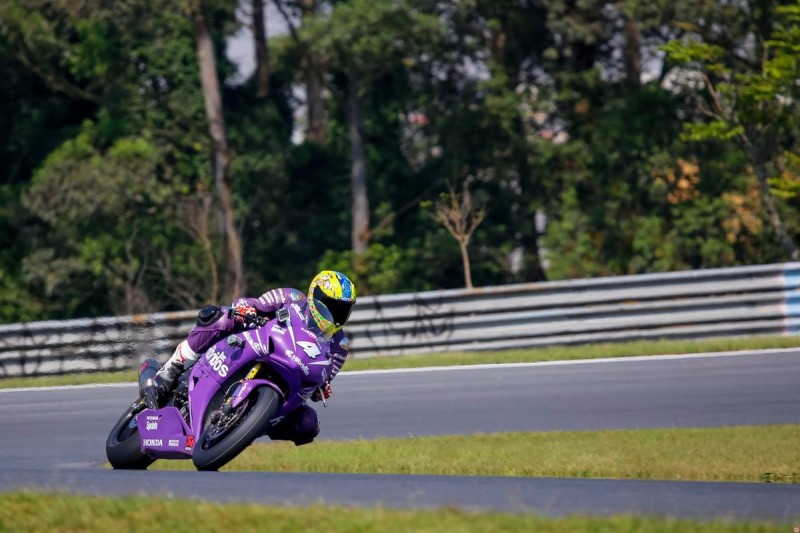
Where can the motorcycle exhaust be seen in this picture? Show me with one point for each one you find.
(147, 372)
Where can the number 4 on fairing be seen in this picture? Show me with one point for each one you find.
(311, 348)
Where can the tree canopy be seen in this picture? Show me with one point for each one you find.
(592, 138)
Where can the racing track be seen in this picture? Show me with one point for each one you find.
(55, 438)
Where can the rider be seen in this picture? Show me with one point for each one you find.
(329, 288)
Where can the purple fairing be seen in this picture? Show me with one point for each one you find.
(295, 362)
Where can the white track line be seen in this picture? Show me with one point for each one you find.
(636, 358)
(488, 366)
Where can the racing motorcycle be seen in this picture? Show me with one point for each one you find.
(236, 392)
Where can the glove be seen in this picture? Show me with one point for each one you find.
(245, 309)
(323, 392)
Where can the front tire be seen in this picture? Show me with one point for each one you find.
(123, 446)
(222, 440)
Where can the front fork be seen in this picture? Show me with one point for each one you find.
(232, 398)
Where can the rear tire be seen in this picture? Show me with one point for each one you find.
(218, 445)
(123, 446)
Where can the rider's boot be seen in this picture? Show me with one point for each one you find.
(157, 389)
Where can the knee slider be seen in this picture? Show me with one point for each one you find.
(208, 315)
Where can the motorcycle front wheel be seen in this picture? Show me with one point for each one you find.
(123, 446)
(228, 432)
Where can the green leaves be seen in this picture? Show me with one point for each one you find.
(590, 153)
(687, 51)
(719, 130)
(373, 36)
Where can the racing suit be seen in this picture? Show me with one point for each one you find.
(213, 324)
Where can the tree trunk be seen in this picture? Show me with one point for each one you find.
(358, 170)
(216, 127)
(315, 104)
(465, 263)
(772, 212)
(526, 235)
(262, 51)
(632, 53)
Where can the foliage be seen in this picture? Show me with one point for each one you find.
(751, 98)
(380, 270)
(603, 138)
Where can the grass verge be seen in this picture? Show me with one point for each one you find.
(553, 353)
(741, 453)
(29, 511)
(69, 379)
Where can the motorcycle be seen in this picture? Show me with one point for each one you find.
(237, 391)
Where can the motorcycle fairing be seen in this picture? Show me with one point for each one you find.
(164, 434)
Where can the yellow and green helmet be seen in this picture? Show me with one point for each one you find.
(337, 294)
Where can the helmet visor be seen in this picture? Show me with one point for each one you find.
(320, 321)
(340, 309)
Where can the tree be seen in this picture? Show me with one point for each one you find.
(312, 69)
(752, 98)
(363, 41)
(206, 59)
(486, 86)
(262, 50)
(122, 159)
(459, 214)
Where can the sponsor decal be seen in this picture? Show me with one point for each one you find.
(153, 442)
(290, 354)
(174, 443)
(297, 309)
(278, 329)
(189, 443)
(217, 361)
(154, 417)
(151, 426)
(258, 346)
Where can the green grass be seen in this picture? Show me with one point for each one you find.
(566, 353)
(742, 453)
(554, 353)
(69, 379)
(29, 512)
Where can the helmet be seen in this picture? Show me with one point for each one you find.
(332, 292)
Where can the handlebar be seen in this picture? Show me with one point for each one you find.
(257, 320)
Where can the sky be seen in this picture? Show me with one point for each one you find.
(240, 47)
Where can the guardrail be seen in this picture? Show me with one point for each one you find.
(756, 300)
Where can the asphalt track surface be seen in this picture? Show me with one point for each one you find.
(54, 439)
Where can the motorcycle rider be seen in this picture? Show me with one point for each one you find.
(328, 288)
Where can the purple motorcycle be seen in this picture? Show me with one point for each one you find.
(236, 392)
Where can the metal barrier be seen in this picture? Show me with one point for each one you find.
(756, 300)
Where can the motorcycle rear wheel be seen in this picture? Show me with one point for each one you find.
(221, 441)
(123, 446)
